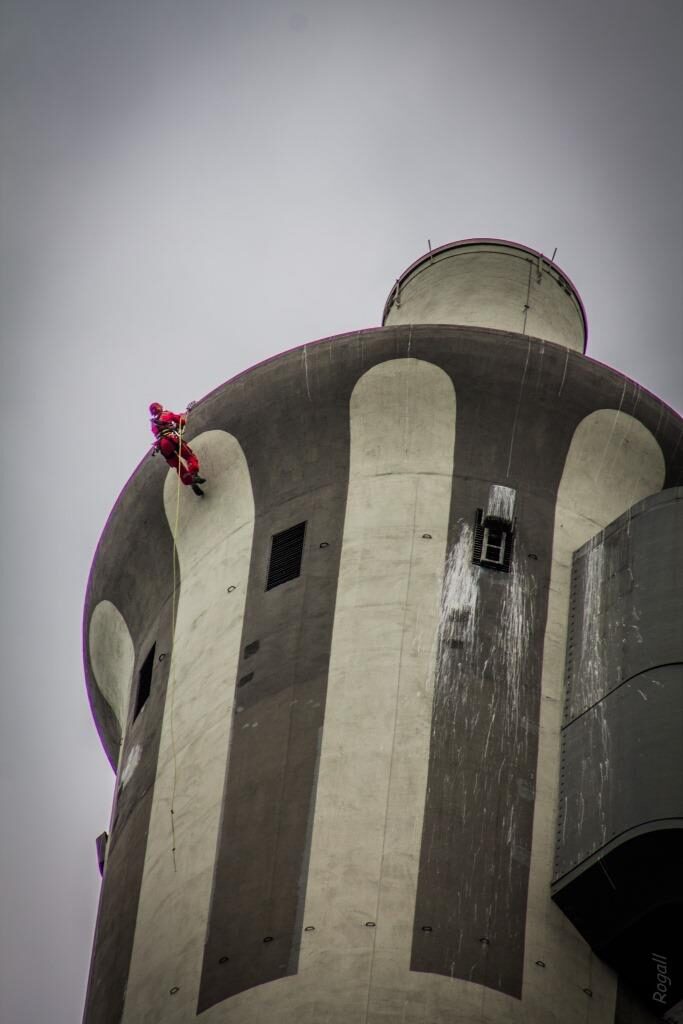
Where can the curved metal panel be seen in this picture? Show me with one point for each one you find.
(620, 829)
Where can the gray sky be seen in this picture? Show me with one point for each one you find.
(189, 187)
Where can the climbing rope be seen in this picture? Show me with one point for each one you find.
(172, 670)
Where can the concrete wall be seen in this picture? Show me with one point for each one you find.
(490, 284)
(379, 796)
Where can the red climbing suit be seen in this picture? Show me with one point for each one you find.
(167, 428)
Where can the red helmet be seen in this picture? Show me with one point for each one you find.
(155, 410)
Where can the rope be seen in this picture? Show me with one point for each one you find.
(173, 625)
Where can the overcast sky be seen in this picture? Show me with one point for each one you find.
(189, 187)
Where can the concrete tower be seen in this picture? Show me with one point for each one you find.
(397, 734)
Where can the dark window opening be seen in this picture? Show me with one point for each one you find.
(285, 556)
(144, 682)
(492, 542)
(251, 648)
(101, 846)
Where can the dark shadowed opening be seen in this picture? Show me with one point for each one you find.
(144, 681)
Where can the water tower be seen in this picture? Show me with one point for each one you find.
(396, 708)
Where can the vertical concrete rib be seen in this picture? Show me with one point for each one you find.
(362, 876)
(214, 540)
(613, 461)
(112, 656)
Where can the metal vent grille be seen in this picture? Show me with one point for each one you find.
(285, 556)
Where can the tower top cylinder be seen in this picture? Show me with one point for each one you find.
(488, 282)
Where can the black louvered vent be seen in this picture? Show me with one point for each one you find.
(478, 537)
(285, 556)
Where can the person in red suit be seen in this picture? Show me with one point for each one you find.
(167, 428)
